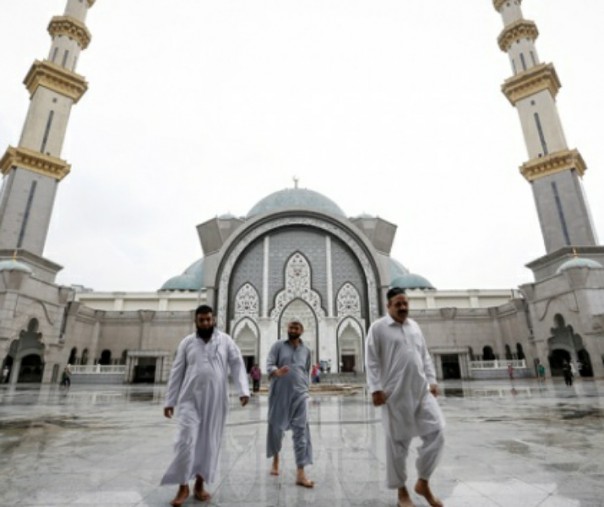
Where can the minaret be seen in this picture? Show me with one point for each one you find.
(553, 170)
(32, 170)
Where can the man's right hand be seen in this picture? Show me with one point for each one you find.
(284, 370)
(379, 398)
(168, 412)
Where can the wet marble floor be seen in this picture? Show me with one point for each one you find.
(512, 445)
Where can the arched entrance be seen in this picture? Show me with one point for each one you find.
(26, 355)
(247, 336)
(350, 346)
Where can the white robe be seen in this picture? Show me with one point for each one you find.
(198, 386)
(398, 363)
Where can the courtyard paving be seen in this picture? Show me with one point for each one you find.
(512, 444)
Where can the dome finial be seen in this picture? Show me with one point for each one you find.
(296, 180)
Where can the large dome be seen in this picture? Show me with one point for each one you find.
(295, 198)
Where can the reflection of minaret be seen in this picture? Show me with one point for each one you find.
(553, 170)
(33, 169)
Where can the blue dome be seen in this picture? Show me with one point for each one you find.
(412, 281)
(190, 280)
(397, 269)
(578, 262)
(295, 198)
(12, 265)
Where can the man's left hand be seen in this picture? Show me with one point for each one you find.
(244, 400)
(434, 389)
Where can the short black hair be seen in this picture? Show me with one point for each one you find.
(203, 309)
(395, 291)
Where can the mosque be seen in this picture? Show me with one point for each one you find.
(296, 254)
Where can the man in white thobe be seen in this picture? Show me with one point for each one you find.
(288, 367)
(402, 380)
(198, 384)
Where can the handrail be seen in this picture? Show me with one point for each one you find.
(497, 364)
(88, 369)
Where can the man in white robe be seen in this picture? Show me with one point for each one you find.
(402, 381)
(288, 367)
(198, 385)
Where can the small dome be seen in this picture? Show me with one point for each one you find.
(190, 280)
(295, 198)
(412, 281)
(578, 262)
(12, 265)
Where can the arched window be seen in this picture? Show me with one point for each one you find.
(508, 352)
(519, 351)
(487, 353)
(105, 357)
(73, 355)
(85, 356)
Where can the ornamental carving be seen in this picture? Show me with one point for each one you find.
(56, 78)
(530, 82)
(339, 231)
(297, 286)
(71, 28)
(521, 29)
(247, 302)
(34, 161)
(348, 301)
(564, 160)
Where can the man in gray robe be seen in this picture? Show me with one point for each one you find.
(402, 381)
(198, 385)
(288, 368)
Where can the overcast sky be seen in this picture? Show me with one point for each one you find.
(197, 108)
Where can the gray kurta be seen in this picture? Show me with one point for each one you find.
(198, 386)
(288, 400)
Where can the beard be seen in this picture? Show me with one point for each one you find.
(293, 336)
(205, 333)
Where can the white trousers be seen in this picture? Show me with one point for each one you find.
(428, 456)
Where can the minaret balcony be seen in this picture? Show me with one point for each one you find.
(498, 4)
(35, 161)
(521, 29)
(564, 160)
(70, 27)
(532, 81)
(55, 78)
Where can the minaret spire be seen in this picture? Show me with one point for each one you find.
(33, 169)
(553, 170)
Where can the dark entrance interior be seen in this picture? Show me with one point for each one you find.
(31, 369)
(348, 363)
(249, 361)
(450, 365)
(144, 371)
(557, 358)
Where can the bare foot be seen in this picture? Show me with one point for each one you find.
(200, 493)
(404, 500)
(181, 496)
(423, 488)
(275, 467)
(305, 482)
